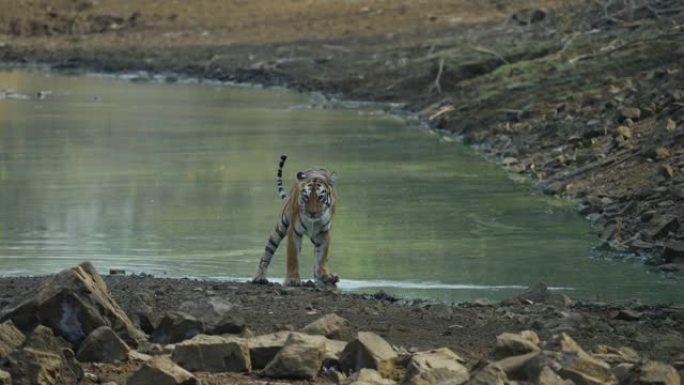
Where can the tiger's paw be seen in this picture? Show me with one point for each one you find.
(260, 280)
(292, 281)
(328, 280)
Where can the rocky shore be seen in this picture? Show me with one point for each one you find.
(583, 97)
(77, 327)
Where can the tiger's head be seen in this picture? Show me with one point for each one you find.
(316, 188)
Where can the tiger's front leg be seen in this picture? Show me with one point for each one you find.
(294, 249)
(321, 250)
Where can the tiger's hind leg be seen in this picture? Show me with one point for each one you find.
(269, 249)
(294, 249)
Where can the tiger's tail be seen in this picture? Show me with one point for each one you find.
(279, 178)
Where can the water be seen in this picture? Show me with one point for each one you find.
(178, 180)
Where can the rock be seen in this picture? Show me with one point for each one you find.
(440, 366)
(161, 371)
(102, 345)
(670, 125)
(42, 338)
(333, 350)
(515, 366)
(539, 293)
(368, 377)
(614, 356)
(300, 358)
(660, 226)
(510, 344)
(633, 113)
(623, 372)
(656, 373)
(661, 153)
(674, 252)
(625, 132)
(28, 366)
(263, 348)
(628, 315)
(549, 377)
(489, 375)
(73, 303)
(10, 338)
(370, 351)
(577, 365)
(666, 170)
(331, 326)
(209, 310)
(5, 378)
(176, 326)
(213, 354)
(230, 323)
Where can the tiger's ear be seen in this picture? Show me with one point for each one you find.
(301, 176)
(333, 178)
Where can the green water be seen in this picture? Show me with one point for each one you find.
(178, 180)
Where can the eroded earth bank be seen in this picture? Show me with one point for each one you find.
(79, 327)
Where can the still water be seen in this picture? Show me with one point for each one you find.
(178, 180)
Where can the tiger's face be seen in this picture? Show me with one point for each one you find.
(316, 195)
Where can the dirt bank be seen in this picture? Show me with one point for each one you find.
(584, 97)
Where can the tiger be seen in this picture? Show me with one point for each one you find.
(308, 211)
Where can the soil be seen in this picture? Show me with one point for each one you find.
(469, 329)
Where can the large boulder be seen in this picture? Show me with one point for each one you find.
(371, 351)
(578, 365)
(176, 326)
(161, 370)
(331, 326)
(218, 315)
(440, 366)
(73, 303)
(10, 338)
(43, 339)
(263, 348)
(213, 354)
(510, 344)
(102, 345)
(300, 358)
(549, 377)
(28, 366)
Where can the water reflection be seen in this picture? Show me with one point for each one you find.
(179, 180)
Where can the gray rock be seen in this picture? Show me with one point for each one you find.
(331, 326)
(263, 348)
(549, 377)
(371, 351)
(440, 366)
(510, 344)
(489, 375)
(102, 345)
(10, 338)
(5, 378)
(300, 358)
(656, 373)
(367, 377)
(213, 354)
(29, 367)
(161, 371)
(175, 327)
(614, 356)
(633, 113)
(539, 293)
(209, 310)
(231, 323)
(42, 338)
(577, 365)
(73, 303)
(517, 367)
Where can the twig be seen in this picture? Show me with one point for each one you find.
(485, 50)
(439, 76)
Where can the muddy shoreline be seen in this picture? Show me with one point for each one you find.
(468, 329)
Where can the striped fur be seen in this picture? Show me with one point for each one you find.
(308, 211)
